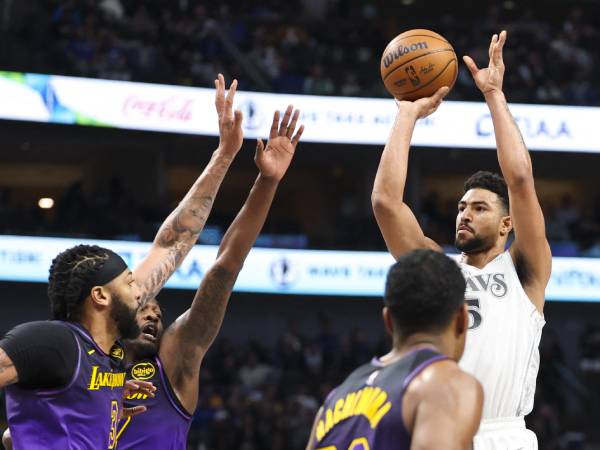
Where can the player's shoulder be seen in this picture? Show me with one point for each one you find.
(445, 377)
(42, 326)
(443, 386)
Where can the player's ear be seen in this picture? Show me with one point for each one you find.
(387, 320)
(100, 296)
(461, 323)
(505, 225)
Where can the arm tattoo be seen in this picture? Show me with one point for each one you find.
(181, 229)
(178, 235)
(5, 365)
(186, 221)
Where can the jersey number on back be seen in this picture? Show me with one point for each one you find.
(474, 313)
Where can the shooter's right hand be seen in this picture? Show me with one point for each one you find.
(423, 107)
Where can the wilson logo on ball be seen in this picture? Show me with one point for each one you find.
(401, 51)
(416, 63)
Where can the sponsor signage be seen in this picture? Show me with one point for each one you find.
(278, 271)
(178, 109)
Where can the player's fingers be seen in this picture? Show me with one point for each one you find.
(470, 65)
(145, 386)
(284, 122)
(238, 118)
(260, 148)
(218, 92)
(231, 94)
(290, 129)
(298, 135)
(274, 125)
(500, 45)
(492, 43)
(134, 411)
(440, 94)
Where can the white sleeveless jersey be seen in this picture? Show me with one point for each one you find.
(503, 338)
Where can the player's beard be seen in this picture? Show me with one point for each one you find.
(474, 245)
(125, 318)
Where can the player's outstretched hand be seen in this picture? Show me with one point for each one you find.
(274, 159)
(425, 106)
(489, 79)
(230, 122)
(132, 387)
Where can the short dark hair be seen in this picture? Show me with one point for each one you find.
(70, 274)
(490, 181)
(423, 291)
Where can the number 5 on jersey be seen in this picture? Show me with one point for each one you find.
(474, 313)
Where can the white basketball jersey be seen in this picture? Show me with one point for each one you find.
(503, 338)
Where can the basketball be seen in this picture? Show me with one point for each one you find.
(416, 63)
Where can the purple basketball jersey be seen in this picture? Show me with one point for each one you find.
(165, 424)
(365, 411)
(80, 416)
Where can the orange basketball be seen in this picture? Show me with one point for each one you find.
(416, 63)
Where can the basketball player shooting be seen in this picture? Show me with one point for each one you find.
(504, 288)
(171, 360)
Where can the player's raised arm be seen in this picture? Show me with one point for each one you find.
(530, 249)
(399, 227)
(187, 340)
(445, 405)
(180, 231)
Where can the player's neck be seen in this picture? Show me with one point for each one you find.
(484, 257)
(102, 330)
(415, 342)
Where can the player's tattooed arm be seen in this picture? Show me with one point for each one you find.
(530, 249)
(399, 226)
(185, 343)
(8, 372)
(180, 231)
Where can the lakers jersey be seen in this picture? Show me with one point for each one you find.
(80, 416)
(503, 338)
(365, 411)
(165, 424)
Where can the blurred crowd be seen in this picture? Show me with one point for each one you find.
(324, 47)
(112, 211)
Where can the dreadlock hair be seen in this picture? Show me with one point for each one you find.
(70, 274)
(491, 182)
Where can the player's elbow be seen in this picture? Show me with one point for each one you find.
(227, 265)
(521, 176)
(382, 203)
